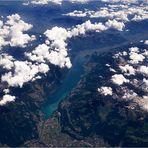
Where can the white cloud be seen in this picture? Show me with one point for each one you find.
(145, 102)
(136, 58)
(23, 72)
(57, 36)
(124, 53)
(1, 23)
(7, 98)
(133, 68)
(43, 68)
(144, 70)
(126, 92)
(12, 32)
(45, 2)
(134, 49)
(140, 17)
(119, 79)
(123, 1)
(105, 91)
(55, 50)
(40, 2)
(87, 26)
(2, 42)
(6, 61)
(6, 91)
(112, 70)
(104, 12)
(120, 12)
(115, 24)
(145, 53)
(109, 24)
(145, 81)
(76, 13)
(129, 95)
(146, 42)
(40, 54)
(128, 69)
(57, 33)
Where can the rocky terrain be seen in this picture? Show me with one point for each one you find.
(118, 121)
(22, 117)
(91, 115)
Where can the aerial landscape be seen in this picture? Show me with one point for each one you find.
(74, 73)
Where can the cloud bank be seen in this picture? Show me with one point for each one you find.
(59, 2)
(121, 12)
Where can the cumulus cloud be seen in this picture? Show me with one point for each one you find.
(128, 69)
(138, 82)
(56, 51)
(38, 2)
(119, 79)
(145, 53)
(7, 98)
(120, 12)
(136, 62)
(12, 32)
(146, 42)
(145, 81)
(58, 33)
(40, 53)
(105, 91)
(53, 51)
(135, 58)
(98, 27)
(138, 65)
(145, 102)
(117, 1)
(104, 12)
(6, 61)
(129, 95)
(134, 49)
(143, 70)
(23, 72)
(45, 2)
(87, 26)
(77, 13)
(79, 1)
(115, 25)
(112, 70)
(6, 91)
(55, 48)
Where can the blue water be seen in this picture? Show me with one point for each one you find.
(70, 81)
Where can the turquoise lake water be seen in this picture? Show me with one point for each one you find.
(71, 80)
